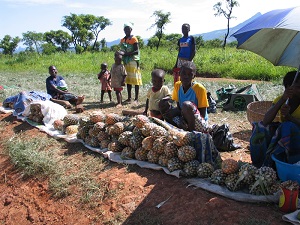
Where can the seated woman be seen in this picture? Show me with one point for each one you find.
(280, 138)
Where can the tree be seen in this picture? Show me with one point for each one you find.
(60, 39)
(33, 39)
(161, 20)
(85, 29)
(141, 41)
(199, 41)
(9, 44)
(230, 4)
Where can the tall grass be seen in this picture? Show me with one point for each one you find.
(29, 71)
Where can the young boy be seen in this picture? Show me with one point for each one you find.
(118, 75)
(156, 93)
(186, 51)
(192, 103)
(105, 79)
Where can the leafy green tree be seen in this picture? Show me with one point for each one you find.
(9, 44)
(60, 39)
(215, 43)
(85, 29)
(161, 20)
(141, 41)
(49, 48)
(226, 12)
(115, 48)
(97, 25)
(33, 40)
(199, 41)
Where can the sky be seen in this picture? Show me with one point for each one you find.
(19, 16)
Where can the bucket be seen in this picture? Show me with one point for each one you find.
(288, 200)
(176, 74)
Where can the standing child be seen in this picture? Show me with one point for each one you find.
(118, 75)
(186, 51)
(105, 79)
(157, 92)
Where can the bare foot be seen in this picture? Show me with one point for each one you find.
(118, 106)
(80, 100)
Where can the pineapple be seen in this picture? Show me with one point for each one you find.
(115, 146)
(158, 131)
(265, 178)
(205, 170)
(170, 150)
(127, 153)
(83, 132)
(140, 120)
(71, 119)
(92, 141)
(231, 182)
(190, 168)
(104, 144)
(102, 135)
(84, 121)
(163, 160)
(218, 177)
(230, 166)
(159, 145)
(136, 141)
(125, 137)
(147, 143)
(99, 126)
(186, 153)
(174, 164)
(117, 128)
(246, 173)
(147, 128)
(152, 156)
(112, 118)
(141, 154)
(58, 124)
(181, 138)
(72, 129)
(97, 116)
(93, 132)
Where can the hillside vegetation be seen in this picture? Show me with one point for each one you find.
(27, 71)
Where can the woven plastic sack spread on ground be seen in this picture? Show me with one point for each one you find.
(50, 110)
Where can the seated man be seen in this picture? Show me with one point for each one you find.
(53, 88)
(191, 97)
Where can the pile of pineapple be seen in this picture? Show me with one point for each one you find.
(36, 113)
(149, 139)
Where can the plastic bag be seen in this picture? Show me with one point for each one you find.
(212, 108)
(223, 139)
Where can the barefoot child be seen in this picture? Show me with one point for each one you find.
(156, 93)
(118, 75)
(105, 79)
(192, 103)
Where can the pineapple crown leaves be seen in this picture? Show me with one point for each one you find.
(263, 185)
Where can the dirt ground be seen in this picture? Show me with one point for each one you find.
(29, 202)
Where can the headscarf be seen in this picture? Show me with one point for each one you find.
(128, 24)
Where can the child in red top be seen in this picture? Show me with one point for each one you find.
(105, 79)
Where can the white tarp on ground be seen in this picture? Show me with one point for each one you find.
(115, 157)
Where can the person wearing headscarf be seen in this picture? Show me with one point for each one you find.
(131, 59)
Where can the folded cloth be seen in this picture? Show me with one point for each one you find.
(292, 217)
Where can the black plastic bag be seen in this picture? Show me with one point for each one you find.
(223, 139)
